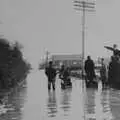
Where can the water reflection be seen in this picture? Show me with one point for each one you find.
(99, 115)
(90, 104)
(69, 104)
(12, 107)
(51, 104)
(106, 105)
(66, 101)
(115, 103)
(98, 105)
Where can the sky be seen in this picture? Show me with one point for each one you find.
(55, 26)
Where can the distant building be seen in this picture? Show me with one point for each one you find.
(106, 61)
(67, 60)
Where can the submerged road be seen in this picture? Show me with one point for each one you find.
(35, 102)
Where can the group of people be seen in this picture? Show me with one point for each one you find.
(91, 74)
(51, 72)
(108, 75)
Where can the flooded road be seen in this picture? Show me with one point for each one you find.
(13, 106)
(37, 103)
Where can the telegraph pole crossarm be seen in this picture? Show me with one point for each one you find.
(85, 6)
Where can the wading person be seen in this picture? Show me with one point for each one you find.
(103, 71)
(89, 69)
(51, 74)
(61, 72)
(112, 72)
(66, 76)
(66, 81)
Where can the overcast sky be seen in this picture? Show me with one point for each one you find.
(54, 25)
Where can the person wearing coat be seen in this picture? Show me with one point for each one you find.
(112, 72)
(51, 75)
(89, 69)
(103, 73)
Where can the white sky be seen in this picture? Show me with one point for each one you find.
(55, 26)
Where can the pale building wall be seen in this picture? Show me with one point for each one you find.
(67, 60)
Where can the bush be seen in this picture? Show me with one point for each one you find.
(13, 67)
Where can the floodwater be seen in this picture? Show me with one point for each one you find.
(35, 102)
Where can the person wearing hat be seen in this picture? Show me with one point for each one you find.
(51, 74)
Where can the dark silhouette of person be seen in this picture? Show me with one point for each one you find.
(89, 69)
(66, 73)
(118, 72)
(51, 74)
(66, 76)
(116, 52)
(103, 73)
(112, 71)
(2, 85)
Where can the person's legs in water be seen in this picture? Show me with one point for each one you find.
(49, 83)
(91, 77)
(53, 84)
(69, 82)
(88, 77)
(103, 81)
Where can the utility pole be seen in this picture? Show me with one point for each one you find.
(47, 54)
(83, 6)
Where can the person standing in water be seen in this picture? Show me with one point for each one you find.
(51, 74)
(61, 72)
(103, 73)
(89, 69)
